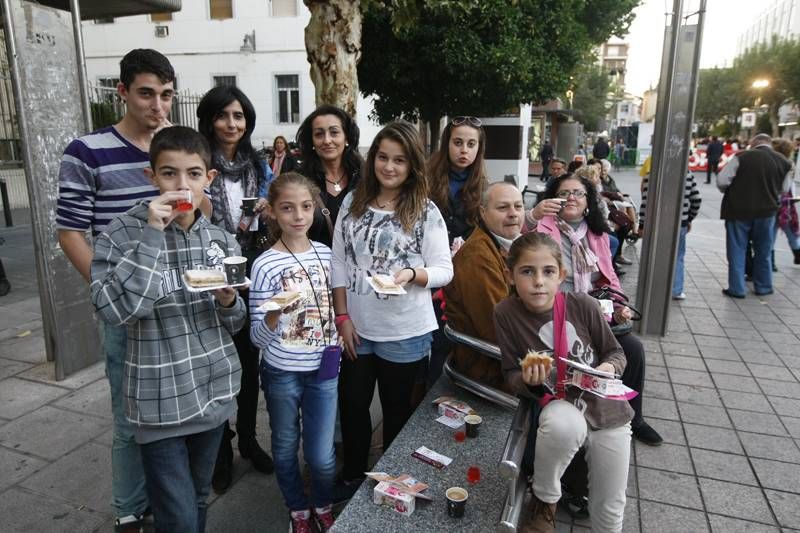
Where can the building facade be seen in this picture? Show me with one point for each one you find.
(781, 18)
(258, 45)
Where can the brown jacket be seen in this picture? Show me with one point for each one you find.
(477, 286)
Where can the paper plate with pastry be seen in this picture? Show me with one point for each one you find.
(384, 284)
(282, 300)
(202, 280)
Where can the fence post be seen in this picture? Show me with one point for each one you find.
(6, 203)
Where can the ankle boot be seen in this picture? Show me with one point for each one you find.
(250, 449)
(542, 519)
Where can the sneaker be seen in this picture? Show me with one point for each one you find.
(646, 435)
(129, 524)
(681, 296)
(542, 519)
(300, 522)
(323, 518)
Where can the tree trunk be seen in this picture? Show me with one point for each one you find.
(333, 47)
(435, 133)
(773, 118)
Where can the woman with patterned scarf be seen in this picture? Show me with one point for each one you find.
(570, 213)
(226, 118)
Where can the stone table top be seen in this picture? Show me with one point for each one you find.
(486, 498)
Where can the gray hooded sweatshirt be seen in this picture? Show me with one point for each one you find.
(181, 366)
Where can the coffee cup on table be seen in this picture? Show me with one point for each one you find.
(472, 423)
(456, 501)
(235, 269)
(249, 206)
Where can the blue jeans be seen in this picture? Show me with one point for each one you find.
(761, 231)
(791, 238)
(289, 394)
(677, 281)
(179, 471)
(129, 495)
(613, 243)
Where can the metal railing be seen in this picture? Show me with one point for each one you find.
(108, 108)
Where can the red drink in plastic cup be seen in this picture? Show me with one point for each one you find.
(185, 204)
(460, 436)
(473, 474)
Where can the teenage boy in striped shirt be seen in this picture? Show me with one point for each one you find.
(101, 177)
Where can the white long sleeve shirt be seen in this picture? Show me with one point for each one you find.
(376, 243)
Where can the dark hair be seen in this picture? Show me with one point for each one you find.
(179, 139)
(414, 192)
(212, 104)
(311, 165)
(528, 242)
(439, 175)
(594, 218)
(281, 181)
(145, 61)
(574, 165)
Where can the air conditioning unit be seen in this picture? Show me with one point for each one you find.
(162, 31)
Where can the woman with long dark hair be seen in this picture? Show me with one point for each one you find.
(328, 140)
(226, 118)
(458, 176)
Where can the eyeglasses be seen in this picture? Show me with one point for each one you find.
(472, 121)
(577, 193)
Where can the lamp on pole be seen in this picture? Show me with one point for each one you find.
(758, 87)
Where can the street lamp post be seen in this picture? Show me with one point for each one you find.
(758, 87)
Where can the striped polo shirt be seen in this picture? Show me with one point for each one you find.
(101, 177)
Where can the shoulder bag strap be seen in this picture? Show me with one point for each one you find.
(560, 342)
(325, 212)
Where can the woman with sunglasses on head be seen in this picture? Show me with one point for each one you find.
(458, 176)
(328, 140)
(570, 214)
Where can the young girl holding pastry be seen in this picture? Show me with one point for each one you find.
(528, 321)
(299, 347)
(386, 226)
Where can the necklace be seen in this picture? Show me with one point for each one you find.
(336, 186)
(388, 202)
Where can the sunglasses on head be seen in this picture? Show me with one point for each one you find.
(472, 121)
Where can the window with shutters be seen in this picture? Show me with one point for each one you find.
(220, 9)
(225, 80)
(284, 8)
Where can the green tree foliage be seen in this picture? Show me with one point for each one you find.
(720, 97)
(591, 103)
(478, 58)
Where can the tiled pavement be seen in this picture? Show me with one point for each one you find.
(723, 388)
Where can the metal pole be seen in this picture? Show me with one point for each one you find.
(86, 108)
(645, 292)
(45, 297)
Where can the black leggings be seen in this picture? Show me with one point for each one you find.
(633, 376)
(357, 379)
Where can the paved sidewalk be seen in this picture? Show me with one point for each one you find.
(722, 389)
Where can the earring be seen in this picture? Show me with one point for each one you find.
(313, 149)
(586, 211)
(346, 145)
